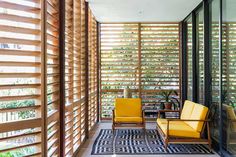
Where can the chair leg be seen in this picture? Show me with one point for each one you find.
(209, 136)
(210, 149)
(144, 128)
(113, 128)
(166, 143)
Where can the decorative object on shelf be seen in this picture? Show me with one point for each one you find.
(168, 98)
(127, 93)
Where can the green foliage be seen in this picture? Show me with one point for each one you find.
(167, 95)
(18, 153)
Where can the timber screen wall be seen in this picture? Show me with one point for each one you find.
(31, 74)
(143, 57)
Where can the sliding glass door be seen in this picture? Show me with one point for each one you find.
(205, 67)
(229, 76)
(214, 57)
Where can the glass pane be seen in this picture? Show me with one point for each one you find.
(190, 65)
(229, 76)
(214, 42)
(200, 48)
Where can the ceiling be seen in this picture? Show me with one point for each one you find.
(142, 10)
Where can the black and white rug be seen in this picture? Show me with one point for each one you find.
(134, 141)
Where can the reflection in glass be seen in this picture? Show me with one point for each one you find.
(214, 44)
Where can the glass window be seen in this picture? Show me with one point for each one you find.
(229, 76)
(214, 44)
(200, 54)
(190, 65)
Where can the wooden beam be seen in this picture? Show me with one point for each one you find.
(44, 79)
(98, 71)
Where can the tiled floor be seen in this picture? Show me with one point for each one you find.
(87, 147)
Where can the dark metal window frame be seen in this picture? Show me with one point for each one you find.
(207, 61)
(195, 71)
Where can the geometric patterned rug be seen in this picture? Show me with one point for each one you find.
(136, 142)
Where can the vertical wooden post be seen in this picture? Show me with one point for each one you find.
(98, 71)
(86, 71)
(44, 78)
(139, 61)
(62, 76)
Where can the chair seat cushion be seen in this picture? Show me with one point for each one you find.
(129, 119)
(179, 129)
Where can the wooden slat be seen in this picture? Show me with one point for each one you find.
(20, 125)
(19, 52)
(19, 30)
(25, 108)
(9, 5)
(18, 18)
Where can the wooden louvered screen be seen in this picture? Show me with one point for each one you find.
(143, 57)
(52, 73)
(119, 63)
(69, 77)
(30, 77)
(21, 88)
(92, 70)
(160, 60)
(82, 87)
(78, 85)
(74, 75)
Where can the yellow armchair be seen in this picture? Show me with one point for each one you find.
(189, 128)
(128, 111)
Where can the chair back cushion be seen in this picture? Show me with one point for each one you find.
(199, 113)
(187, 109)
(128, 107)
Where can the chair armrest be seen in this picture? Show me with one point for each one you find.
(164, 111)
(193, 120)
